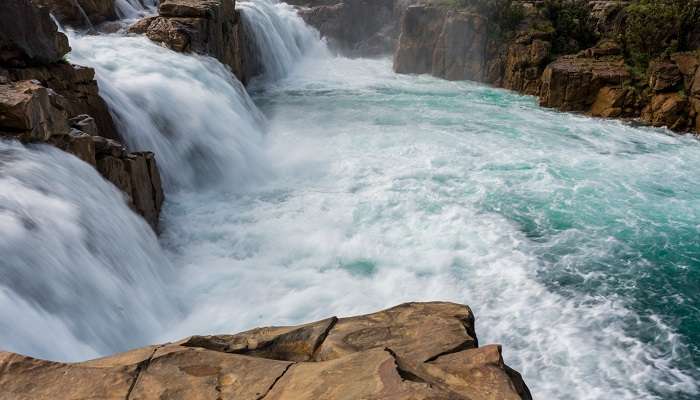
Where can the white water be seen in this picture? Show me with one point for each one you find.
(132, 9)
(80, 274)
(366, 189)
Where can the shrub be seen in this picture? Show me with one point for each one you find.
(657, 28)
(573, 26)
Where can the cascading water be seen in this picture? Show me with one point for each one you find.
(80, 274)
(280, 36)
(573, 239)
(131, 9)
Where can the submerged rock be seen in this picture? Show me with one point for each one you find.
(412, 351)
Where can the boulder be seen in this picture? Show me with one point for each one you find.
(209, 27)
(30, 112)
(688, 65)
(664, 76)
(610, 102)
(572, 83)
(80, 13)
(28, 36)
(78, 89)
(667, 109)
(413, 351)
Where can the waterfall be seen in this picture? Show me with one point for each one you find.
(280, 37)
(190, 110)
(80, 274)
(132, 9)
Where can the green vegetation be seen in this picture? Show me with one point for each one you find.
(573, 26)
(657, 28)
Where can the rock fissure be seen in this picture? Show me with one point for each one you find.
(141, 367)
(277, 379)
(404, 373)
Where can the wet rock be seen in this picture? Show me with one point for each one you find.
(80, 13)
(413, 351)
(610, 102)
(28, 36)
(210, 27)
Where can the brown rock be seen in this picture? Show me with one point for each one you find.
(78, 143)
(667, 109)
(524, 65)
(210, 27)
(688, 64)
(26, 378)
(28, 36)
(78, 88)
(609, 103)
(664, 76)
(403, 353)
(572, 83)
(30, 112)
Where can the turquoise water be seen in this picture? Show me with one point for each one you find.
(573, 239)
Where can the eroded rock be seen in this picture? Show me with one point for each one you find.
(412, 351)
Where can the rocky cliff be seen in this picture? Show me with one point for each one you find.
(44, 99)
(412, 351)
(583, 56)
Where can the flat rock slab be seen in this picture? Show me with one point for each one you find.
(412, 351)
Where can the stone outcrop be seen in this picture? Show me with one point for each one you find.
(412, 351)
(28, 36)
(43, 99)
(443, 42)
(572, 83)
(210, 27)
(80, 13)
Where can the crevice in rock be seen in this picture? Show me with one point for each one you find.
(275, 381)
(469, 325)
(405, 374)
(322, 338)
(466, 345)
(142, 366)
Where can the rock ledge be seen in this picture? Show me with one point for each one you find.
(412, 351)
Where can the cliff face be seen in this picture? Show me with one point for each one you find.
(43, 99)
(542, 58)
(412, 351)
(210, 27)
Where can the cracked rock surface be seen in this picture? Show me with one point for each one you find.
(411, 351)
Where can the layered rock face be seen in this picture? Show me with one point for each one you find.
(412, 351)
(446, 43)
(458, 45)
(43, 99)
(210, 27)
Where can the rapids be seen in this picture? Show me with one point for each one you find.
(339, 187)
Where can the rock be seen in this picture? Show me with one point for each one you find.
(30, 112)
(78, 88)
(28, 36)
(610, 102)
(80, 13)
(667, 109)
(355, 27)
(78, 143)
(688, 65)
(209, 27)
(571, 83)
(524, 65)
(445, 43)
(413, 351)
(664, 76)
